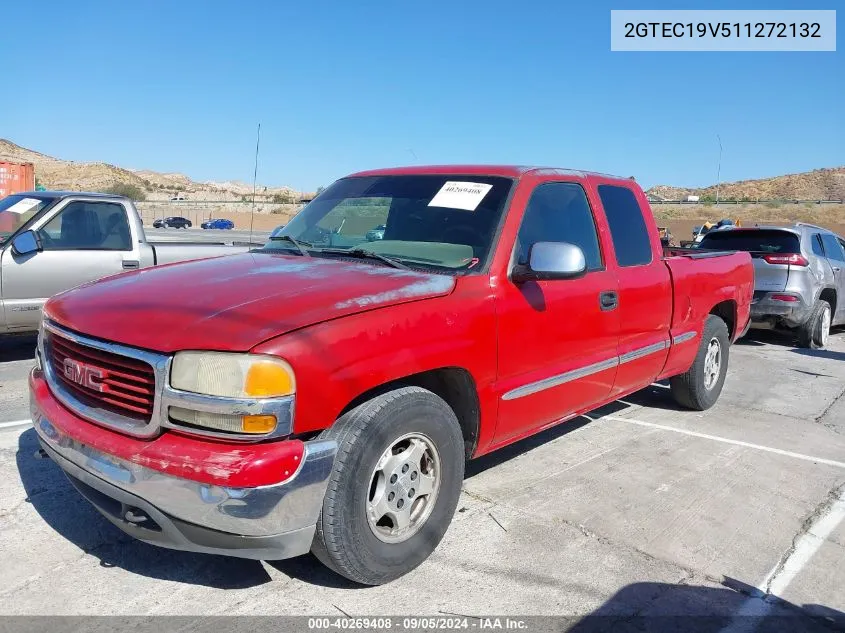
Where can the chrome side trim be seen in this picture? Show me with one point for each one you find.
(643, 351)
(588, 370)
(131, 426)
(560, 379)
(684, 337)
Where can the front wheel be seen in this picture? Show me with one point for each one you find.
(394, 488)
(699, 388)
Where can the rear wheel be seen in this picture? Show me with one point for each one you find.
(699, 388)
(395, 485)
(815, 332)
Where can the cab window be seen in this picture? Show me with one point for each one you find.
(559, 212)
(88, 226)
(627, 226)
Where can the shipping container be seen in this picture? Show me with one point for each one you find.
(16, 177)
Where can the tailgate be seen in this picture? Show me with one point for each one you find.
(769, 277)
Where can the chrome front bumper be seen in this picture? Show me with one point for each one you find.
(267, 522)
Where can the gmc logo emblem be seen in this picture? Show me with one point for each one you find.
(84, 375)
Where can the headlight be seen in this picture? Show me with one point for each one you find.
(232, 375)
(225, 375)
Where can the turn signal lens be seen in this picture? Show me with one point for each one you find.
(258, 423)
(268, 379)
(252, 424)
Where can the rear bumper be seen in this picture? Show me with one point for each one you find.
(767, 310)
(263, 522)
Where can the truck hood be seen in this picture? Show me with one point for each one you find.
(234, 303)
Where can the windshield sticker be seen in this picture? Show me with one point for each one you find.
(22, 206)
(460, 195)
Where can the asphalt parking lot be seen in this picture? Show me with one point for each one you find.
(638, 509)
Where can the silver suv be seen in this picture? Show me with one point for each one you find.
(799, 277)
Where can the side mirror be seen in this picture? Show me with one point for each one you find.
(26, 243)
(551, 260)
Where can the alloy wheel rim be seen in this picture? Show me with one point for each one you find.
(825, 333)
(403, 488)
(712, 363)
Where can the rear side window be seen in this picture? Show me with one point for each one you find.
(752, 240)
(816, 241)
(832, 247)
(627, 226)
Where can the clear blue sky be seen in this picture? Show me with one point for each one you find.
(341, 86)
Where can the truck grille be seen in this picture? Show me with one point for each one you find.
(102, 379)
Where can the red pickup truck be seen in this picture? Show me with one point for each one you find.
(322, 393)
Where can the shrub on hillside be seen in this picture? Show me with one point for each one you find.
(125, 189)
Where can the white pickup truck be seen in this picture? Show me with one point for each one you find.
(51, 241)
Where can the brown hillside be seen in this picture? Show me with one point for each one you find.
(55, 173)
(819, 184)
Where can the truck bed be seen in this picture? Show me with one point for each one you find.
(700, 281)
(172, 252)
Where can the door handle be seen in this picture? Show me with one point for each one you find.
(131, 265)
(608, 300)
(836, 269)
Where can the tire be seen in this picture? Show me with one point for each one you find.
(347, 540)
(814, 333)
(699, 388)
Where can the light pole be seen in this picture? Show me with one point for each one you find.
(719, 169)
(254, 180)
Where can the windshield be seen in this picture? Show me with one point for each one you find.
(15, 211)
(753, 241)
(445, 221)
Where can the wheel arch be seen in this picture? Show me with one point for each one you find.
(455, 385)
(726, 310)
(828, 293)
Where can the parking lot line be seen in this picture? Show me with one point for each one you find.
(807, 545)
(725, 440)
(785, 571)
(7, 425)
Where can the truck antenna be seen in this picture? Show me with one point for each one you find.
(254, 180)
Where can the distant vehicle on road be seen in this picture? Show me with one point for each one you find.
(51, 241)
(178, 197)
(377, 233)
(174, 222)
(219, 223)
(799, 277)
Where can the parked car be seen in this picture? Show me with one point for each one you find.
(268, 423)
(376, 233)
(178, 198)
(51, 241)
(219, 223)
(800, 277)
(174, 222)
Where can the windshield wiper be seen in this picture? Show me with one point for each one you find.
(300, 244)
(365, 254)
